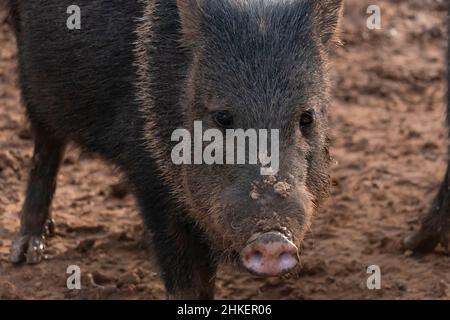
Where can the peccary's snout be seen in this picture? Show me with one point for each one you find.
(270, 254)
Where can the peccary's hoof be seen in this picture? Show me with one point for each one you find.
(424, 242)
(28, 249)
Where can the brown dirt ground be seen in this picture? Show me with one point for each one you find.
(389, 143)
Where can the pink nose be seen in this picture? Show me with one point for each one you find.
(270, 254)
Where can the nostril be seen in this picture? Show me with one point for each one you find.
(257, 255)
(256, 258)
(287, 260)
(284, 256)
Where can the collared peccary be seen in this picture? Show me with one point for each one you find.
(136, 71)
(435, 227)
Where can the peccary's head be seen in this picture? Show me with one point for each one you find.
(260, 64)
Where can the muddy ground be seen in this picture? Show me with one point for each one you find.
(389, 146)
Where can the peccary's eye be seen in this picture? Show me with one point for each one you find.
(307, 119)
(223, 119)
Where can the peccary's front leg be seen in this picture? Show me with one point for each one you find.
(185, 260)
(182, 251)
(36, 220)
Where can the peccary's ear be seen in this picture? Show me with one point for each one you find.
(328, 14)
(190, 18)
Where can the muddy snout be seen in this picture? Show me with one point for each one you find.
(270, 254)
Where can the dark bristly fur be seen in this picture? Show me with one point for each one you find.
(137, 70)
